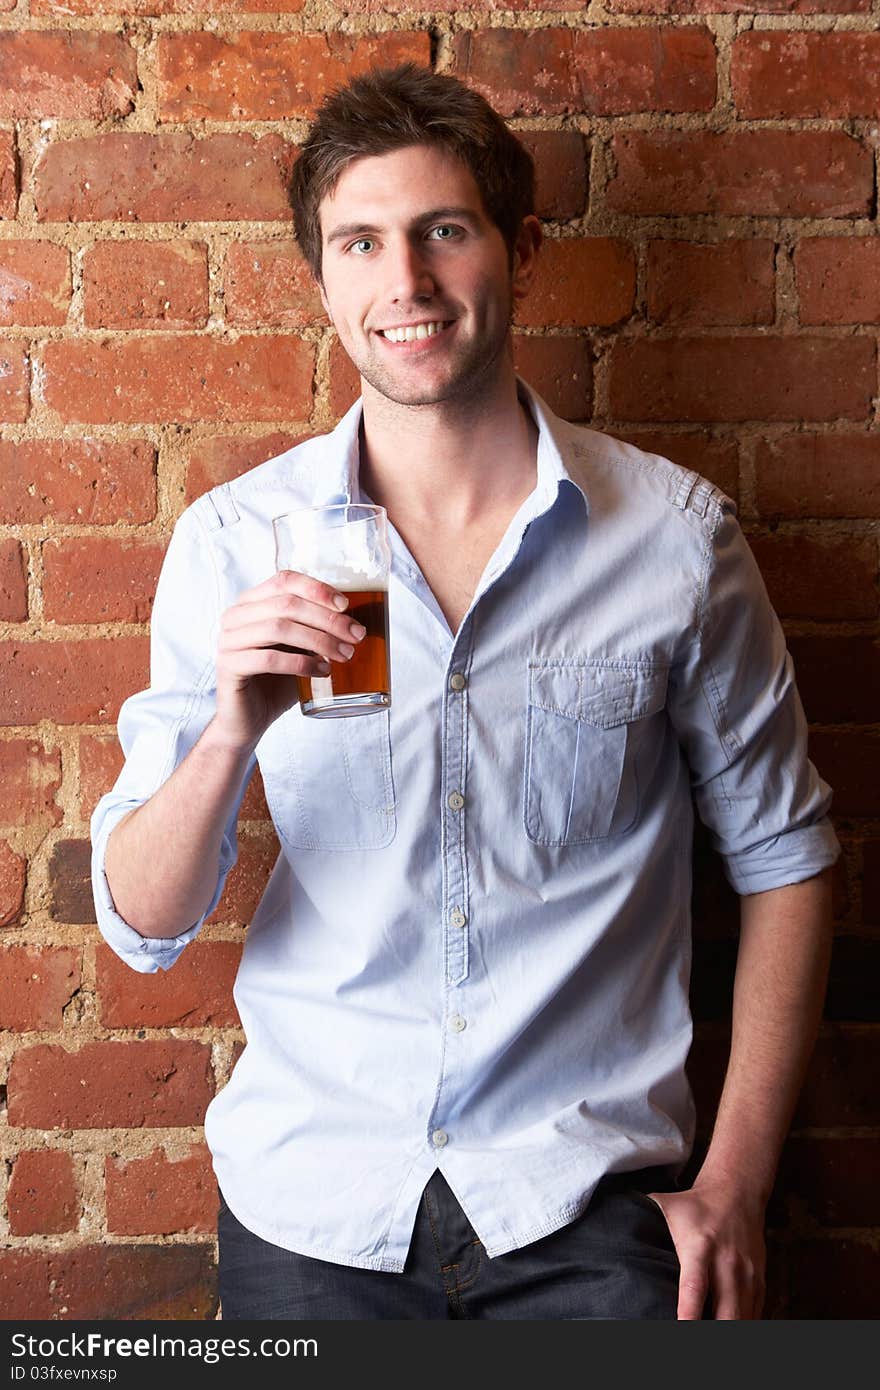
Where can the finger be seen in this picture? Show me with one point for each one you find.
(274, 661)
(693, 1286)
(281, 632)
(733, 1290)
(296, 609)
(293, 582)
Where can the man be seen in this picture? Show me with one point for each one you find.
(465, 988)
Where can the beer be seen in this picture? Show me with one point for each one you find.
(345, 545)
(361, 684)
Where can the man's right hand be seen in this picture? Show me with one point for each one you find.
(288, 626)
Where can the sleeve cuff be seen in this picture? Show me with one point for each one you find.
(145, 954)
(789, 858)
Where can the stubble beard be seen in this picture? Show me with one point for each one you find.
(478, 364)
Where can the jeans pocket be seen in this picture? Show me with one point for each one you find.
(648, 1204)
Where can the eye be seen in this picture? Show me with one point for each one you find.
(445, 231)
(363, 241)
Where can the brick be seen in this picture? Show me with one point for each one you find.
(94, 482)
(13, 876)
(138, 177)
(793, 73)
(834, 1179)
(582, 281)
(841, 889)
(14, 382)
(197, 993)
(562, 172)
(715, 459)
(35, 283)
(43, 1197)
(156, 1195)
(379, 7)
(811, 578)
(771, 173)
(110, 1084)
(115, 1282)
(345, 381)
(738, 6)
(712, 972)
(694, 285)
(36, 982)
(9, 174)
(70, 882)
(167, 378)
(269, 285)
(88, 579)
(269, 76)
(246, 881)
(75, 74)
(220, 458)
(830, 1279)
(837, 677)
(100, 763)
(600, 72)
(30, 775)
(560, 370)
(706, 1064)
(838, 278)
(254, 805)
(840, 1087)
(852, 995)
(871, 881)
(66, 8)
(146, 284)
(715, 907)
(13, 582)
(818, 475)
(851, 762)
(81, 681)
(745, 378)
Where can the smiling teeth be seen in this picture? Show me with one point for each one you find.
(413, 331)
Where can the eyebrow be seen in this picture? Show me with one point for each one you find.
(355, 229)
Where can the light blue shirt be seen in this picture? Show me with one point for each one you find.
(474, 950)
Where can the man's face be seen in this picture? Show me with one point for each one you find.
(406, 241)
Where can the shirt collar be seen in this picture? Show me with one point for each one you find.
(338, 481)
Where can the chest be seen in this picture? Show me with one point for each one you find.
(452, 564)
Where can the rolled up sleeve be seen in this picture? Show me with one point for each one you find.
(158, 726)
(741, 724)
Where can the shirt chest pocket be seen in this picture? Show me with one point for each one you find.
(585, 727)
(328, 781)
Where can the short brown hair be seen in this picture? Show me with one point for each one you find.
(392, 108)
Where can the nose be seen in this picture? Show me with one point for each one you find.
(410, 274)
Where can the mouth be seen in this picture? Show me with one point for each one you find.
(415, 338)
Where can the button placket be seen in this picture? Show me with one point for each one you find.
(455, 809)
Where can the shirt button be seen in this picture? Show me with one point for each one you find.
(457, 681)
(457, 1023)
(457, 917)
(440, 1137)
(455, 801)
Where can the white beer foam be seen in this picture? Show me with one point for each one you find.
(311, 551)
(348, 581)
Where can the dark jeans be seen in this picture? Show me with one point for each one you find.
(617, 1260)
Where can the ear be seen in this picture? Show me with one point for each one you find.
(525, 256)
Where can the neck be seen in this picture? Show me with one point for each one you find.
(465, 456)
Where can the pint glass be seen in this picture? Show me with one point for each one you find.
(345, 545)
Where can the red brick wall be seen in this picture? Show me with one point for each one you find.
(711, 290)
